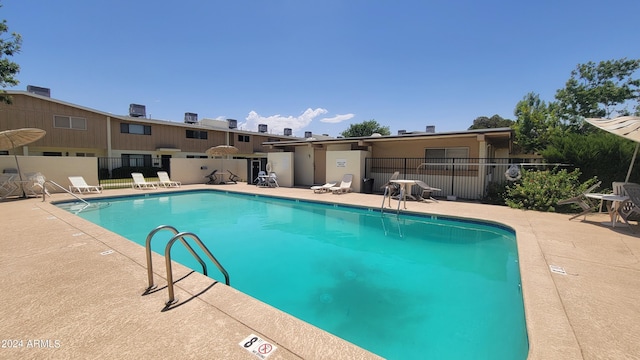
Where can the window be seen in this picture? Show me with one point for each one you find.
(446, 156)
(51, 153)
(195, 134)
(136, 160)
(126, 128)
(243, 138)
(69, 122)
(80, 154)
(196, 157)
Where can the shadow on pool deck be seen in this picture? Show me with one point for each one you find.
(65, 297)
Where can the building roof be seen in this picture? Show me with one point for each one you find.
(496, 133)
(144, 120)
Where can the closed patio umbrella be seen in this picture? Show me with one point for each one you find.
(626, 126)
(11, 139)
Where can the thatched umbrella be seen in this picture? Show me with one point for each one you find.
(11, 139)
(222, 150)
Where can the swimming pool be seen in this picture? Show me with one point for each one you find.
(402, 287)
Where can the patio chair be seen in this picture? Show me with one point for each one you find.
(261, 180)
(345, 185)
(272, 180)
(233, 177)
(80, 185)
(139, 182)
(164, 180)
(583, 201)
(393, 188)
(35, 185)
(629, 210)
(7, 186)
(323, 188)
(212, 177)
(426, 189)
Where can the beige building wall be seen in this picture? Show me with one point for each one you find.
(407, 148)
(282, 163)
(352, 162)
(304, 159)
(193, 171)
(55, 168)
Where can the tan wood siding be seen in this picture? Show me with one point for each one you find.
(28, 111)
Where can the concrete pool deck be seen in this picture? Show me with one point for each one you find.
(73, 290)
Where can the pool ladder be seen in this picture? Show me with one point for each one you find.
(167, 255)
(387, 195)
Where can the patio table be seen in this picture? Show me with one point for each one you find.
(616, 200)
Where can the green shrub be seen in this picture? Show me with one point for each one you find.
(495, 194)
(541, 190)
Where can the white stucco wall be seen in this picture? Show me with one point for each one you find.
(352, 162)
(282, 163)
(55, 168)
(303, 164)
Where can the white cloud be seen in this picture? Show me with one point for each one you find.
(338, 118)
(277, 123)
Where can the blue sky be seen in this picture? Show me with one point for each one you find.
(315, 65)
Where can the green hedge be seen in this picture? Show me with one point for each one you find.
(541, 190)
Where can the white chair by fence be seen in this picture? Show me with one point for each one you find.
(80, 185)
(139, 182)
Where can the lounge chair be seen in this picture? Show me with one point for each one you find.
(164, 180)
(212, 177)
(140, 183)
(583, 201)
(426, 189)
(80, 185)
(233, 177)
(629, 210)
(345, 185)
(323, 188)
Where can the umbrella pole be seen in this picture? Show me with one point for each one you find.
(633, 160)
(15, 156)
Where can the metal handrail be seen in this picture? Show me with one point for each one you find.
(63, 189)
(167, 255)
(149, 259)
(387, 192)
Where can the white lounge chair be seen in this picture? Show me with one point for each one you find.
(80, 185)
(140, 183)
(323, 188)
(345, 185)
(165, 181)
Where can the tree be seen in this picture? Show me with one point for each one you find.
(599, 90)
(536, 123)
(366, 128)
(496, 121)
(8, 69)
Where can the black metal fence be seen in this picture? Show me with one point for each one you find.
(114, 173)
(464, 178)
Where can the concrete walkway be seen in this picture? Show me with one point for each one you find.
(72, 290)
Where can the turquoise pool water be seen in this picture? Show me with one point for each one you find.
(404, 287)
